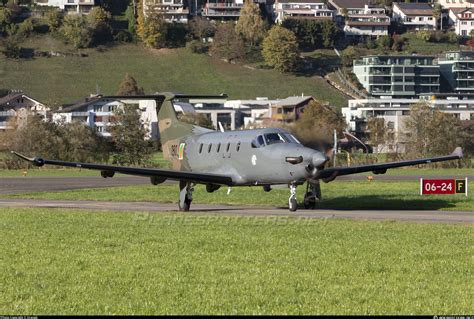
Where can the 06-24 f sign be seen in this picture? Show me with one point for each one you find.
(443, 186)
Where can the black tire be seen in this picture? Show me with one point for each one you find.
(186, 206)
(309, 201)
(293, 205)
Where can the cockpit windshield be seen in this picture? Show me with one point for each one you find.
(274, 138)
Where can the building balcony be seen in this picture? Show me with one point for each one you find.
(224, 5)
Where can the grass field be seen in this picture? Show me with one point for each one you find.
(77, 262)
(423, 47)
(336, 195)
(67, 79)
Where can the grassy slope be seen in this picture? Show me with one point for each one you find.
(336, 195)
(67, 79)
(104, 263)
(423, 47)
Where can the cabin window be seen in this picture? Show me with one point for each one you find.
(258, 142)
(228, 147)
(209, 148)
(200, 148)
(237, 148)
(218, 147)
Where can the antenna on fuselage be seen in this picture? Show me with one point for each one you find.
(221, 128)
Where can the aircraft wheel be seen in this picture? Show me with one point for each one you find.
(186, 206)
(293, 205)
(309, 201)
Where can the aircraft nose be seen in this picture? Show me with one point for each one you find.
(319, 159)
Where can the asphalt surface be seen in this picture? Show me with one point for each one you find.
(41, 184)
(426, 216)
(12, 185)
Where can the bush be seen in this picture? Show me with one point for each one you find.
(196, 46)
(423, 35)
(123, 36)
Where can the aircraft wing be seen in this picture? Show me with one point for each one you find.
(108, 170)
(330, 174)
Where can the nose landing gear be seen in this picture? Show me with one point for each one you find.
(292, 203)
(185, 196)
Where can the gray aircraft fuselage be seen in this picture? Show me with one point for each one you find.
(243, 156)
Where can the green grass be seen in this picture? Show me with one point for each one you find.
(67, 79)
(336, 195)
(76, 262)
(422, 47)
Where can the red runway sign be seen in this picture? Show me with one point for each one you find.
(443, 186)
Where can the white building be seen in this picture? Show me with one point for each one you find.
(395, 112)
(173, 10)
(371, 22)
(17, 105)
(97, 111)
(301, 9)
(77, 6)
(414, 16)
(447, 4)
(462, 20)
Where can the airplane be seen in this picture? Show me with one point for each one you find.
(258, 157)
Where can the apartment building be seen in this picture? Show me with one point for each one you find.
(173, 10)
(370, 22)
(414, 16)
(97, 112)
(228, 9)
(457, 68)
(398, 76)
(301, 9)
(72, 6)
(395, 112)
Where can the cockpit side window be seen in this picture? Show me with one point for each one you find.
(274, 138)
(258, 142)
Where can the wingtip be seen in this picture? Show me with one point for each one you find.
(458, 152)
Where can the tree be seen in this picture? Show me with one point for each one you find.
(54, 19)
(438, 15)
(132, 21)
(430, 131)
(129, 86)
(329, 32)
(280, 49)
(97, 16)
(378, 131)
(6, 18)
(153, 32)
(11, 47)
(201, 28)
(227, 44)
(76, 32)
(250, 25)
(128, 134)
(316, 125)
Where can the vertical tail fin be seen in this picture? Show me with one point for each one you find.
(171, 129)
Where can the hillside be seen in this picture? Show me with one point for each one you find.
(66, 79)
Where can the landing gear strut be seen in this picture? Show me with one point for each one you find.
(312, 195)
(293, 204)
(185, 196)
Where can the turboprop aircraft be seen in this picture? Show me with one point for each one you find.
(258, 157)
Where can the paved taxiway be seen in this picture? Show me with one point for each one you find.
(405, 215)
(12, 185)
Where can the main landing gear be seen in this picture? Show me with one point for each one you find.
(185, 196)
(311, 197)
